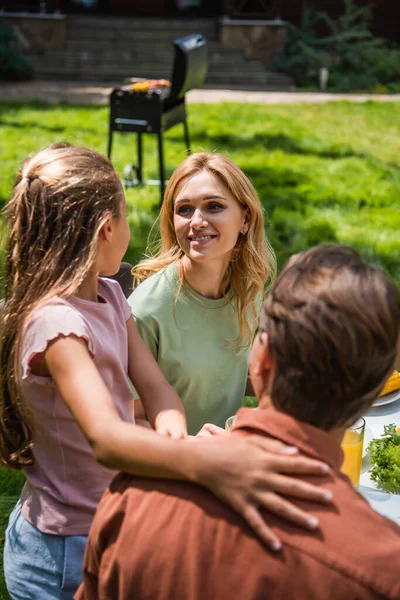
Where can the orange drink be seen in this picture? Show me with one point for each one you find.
(352, 446)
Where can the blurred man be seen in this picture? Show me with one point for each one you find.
(328, 339)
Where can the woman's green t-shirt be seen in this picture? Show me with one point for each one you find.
(189, 337)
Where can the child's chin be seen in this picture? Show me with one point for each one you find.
(109, 273)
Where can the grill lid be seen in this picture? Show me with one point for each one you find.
(190, 64)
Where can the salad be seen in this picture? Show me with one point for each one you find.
(384, 456)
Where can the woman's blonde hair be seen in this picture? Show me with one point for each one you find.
(253, 261)
(61, 198)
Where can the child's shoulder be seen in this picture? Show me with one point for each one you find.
(111, 291)
(53, 309)
(55, 317)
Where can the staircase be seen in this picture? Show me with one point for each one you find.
(112, 48)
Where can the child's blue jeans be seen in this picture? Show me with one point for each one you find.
(38, 565)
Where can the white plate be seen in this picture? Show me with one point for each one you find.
(368, 437)
(387, 398)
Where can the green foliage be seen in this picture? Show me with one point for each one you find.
(384, 455)
(11, 483)
(13, 66)
(250, 402)
(355, 58)
(304, 52)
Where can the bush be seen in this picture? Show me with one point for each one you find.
(13, 66)
(356, 59)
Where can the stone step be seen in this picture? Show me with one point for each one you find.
(141, 24)
(112, 48)
(166, 55)
(147, 62)
(139, 35)
(135, 65)
(219, 79)
(75, 67)
(114, 35)
(233, 83)
(148, 44)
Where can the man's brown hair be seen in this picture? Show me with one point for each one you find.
(333, 325)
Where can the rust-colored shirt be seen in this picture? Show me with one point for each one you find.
(161, 540)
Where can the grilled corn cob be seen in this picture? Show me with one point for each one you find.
(141, 86)
(392, 384)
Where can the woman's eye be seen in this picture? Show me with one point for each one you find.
(215, 206)
(183, 210)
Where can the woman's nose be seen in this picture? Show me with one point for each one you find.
(198, 218)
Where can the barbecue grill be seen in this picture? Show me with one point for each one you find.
(158, 109)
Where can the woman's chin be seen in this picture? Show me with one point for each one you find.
(199, 256)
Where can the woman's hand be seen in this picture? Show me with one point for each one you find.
(171, 423)
(252, 472)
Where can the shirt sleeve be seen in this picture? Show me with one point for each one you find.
(150, 339)
(45, 325)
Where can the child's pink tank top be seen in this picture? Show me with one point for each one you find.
(65, 484)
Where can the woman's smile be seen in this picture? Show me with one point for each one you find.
(201, 240)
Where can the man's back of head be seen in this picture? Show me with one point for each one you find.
(332, 323)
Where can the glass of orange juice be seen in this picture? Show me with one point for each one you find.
(229, 423)
(352, 446)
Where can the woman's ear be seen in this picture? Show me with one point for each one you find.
(246, 222)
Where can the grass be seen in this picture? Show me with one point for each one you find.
(324, 172)
(10, 487)
(327, 172)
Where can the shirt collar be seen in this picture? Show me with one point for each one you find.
(307, 438)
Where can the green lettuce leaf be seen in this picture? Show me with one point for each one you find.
(384, 456)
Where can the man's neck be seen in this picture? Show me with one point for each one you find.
(265, 402)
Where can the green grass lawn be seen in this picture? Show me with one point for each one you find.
(10, 486)
(324, 172)
(328, 172)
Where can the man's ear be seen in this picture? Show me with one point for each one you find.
(106, 229)
(261, 366)
(266, 356)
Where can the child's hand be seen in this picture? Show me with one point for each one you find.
(171, 423)
(254, 472)
(209, 430)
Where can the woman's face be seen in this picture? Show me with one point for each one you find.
(207, 218)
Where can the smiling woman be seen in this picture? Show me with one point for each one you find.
(208, 221)
(198, 306)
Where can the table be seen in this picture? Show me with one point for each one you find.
(382, 502)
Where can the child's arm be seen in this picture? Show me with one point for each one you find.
(248, 473)
(161, 403)
(140, 414)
